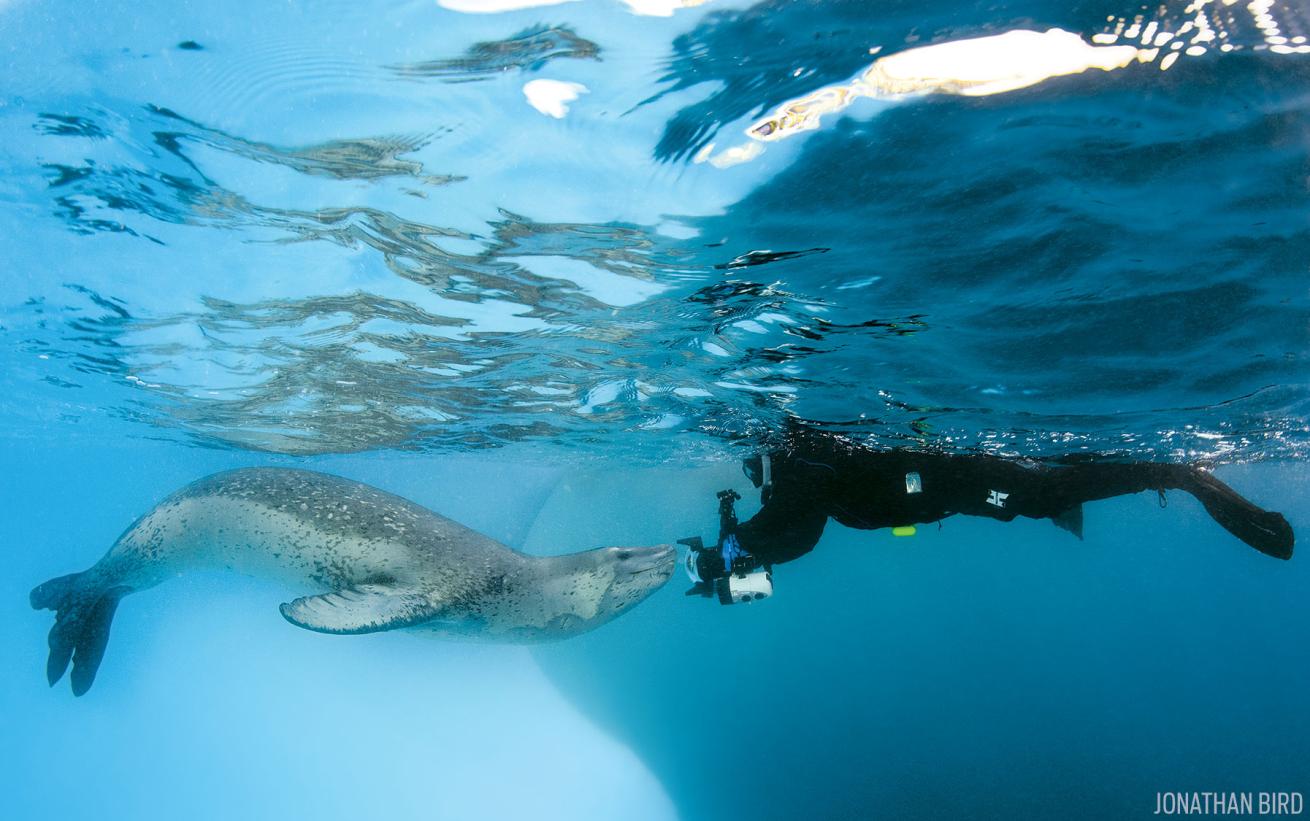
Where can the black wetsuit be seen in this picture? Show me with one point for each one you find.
(821, 477)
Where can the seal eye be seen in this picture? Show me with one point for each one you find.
(624, 555)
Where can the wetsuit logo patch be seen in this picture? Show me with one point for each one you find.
(997, 498)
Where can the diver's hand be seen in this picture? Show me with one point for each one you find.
(733, 552)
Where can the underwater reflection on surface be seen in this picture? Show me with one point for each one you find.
(1098, 263)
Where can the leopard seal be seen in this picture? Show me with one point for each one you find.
(384, 562)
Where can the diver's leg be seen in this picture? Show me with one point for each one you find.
(982, 486)
(1063, 488)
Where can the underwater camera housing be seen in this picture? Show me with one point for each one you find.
(743, 583)
(744, 588)
(725, 571)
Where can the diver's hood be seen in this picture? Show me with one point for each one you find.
(753, 467)
(759, 470)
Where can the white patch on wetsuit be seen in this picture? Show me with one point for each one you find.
(997, 498)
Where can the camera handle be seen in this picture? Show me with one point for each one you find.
(727, 513)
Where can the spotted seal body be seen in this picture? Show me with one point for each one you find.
(385, 562)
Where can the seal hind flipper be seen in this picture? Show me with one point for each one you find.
(83, 615)
(364, 608)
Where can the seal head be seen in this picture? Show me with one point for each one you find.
(635, 573)
(578, 592)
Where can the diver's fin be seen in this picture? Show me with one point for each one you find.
(364, 608)
(1070, 520)
(1264, 530)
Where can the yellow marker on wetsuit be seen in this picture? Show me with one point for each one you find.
(904, 530)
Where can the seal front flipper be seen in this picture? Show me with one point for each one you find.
(364, 608)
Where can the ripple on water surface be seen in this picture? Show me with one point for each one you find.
(305, 242)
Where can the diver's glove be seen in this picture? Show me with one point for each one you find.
(705, 565)
(733, 553)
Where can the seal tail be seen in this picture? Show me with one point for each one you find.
(83, 614)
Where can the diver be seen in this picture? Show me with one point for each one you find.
(820, 476)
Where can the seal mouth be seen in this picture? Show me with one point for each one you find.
(656, 559)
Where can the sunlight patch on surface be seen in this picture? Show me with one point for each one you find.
(661, 8)
(975, 67)
(495, 6)
(1001, 63)
(1225, 25)
(552, 97)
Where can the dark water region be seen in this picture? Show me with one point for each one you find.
(509, 266)
(983, 670)
(1117, 255)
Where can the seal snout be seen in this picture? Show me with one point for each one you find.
(645, 559)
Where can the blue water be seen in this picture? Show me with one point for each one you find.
(339, 236)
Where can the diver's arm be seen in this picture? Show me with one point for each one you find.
(786, 528)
